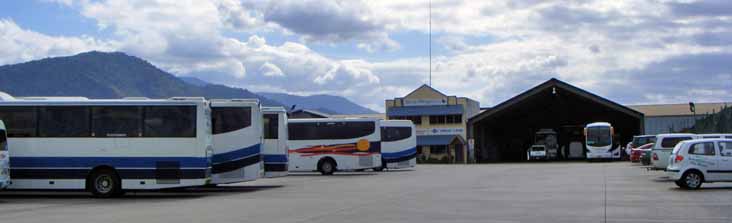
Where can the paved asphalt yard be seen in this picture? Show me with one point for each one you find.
(539, 192)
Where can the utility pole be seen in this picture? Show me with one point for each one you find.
(430, 41)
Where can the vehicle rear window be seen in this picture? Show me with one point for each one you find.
(537, 149)
(704, 148)
(390, 134)
(271, 126)
(229, 119)
(670, 142)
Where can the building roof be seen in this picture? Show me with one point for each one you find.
(430, 140)
(428, 87)
(560, 85)
(425, 110)
(679, 109)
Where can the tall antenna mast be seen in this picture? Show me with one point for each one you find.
(430, 40)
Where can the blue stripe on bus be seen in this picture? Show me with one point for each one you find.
(236, 154)
(396, 155)
(272, 158)
(116, 162)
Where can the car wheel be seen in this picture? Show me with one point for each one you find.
(327, 167)
(691, 180)
(104, 183)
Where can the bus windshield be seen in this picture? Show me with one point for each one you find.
(598, 136)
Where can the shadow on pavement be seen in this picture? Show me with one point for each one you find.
(340, 174)
(177, 193)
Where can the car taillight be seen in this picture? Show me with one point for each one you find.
(655, 157)
(678, 159)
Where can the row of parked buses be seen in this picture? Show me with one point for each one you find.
(108, 146)
(689, 159)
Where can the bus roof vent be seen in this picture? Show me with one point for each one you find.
(6, 97)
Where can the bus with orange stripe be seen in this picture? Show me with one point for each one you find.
(330, 145)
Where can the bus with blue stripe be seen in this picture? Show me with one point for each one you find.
(398, 144)
(237, 140)
(107, 146)
(4, 159)
(274, 146)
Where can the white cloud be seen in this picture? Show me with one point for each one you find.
(20, 45)
(599, 45)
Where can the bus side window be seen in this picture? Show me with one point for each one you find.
(20, 121)
(117, 121)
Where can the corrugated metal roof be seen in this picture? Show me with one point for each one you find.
(436, 139)
(679, 109)
(425, 110)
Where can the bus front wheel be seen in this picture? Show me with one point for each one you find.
(104, 183)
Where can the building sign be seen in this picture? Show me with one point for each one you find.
(440, 131)
(425, 102)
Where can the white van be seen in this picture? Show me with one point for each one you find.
(703, 160)
(665, 143)
(4, 160)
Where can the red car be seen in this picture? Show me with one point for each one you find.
(635, 153)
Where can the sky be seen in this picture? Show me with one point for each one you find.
(632, 52)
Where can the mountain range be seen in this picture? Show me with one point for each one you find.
(115, 75)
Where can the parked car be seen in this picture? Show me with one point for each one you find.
(536, 152)
(645, 157)
(635, 153)
(664, 145)
(694, 162)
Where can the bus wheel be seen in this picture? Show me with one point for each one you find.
(104, 183)
(327, 167)
(382, 167)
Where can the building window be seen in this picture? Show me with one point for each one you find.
(455, 119)
(446, 119)
(419, 150)
(438, 149)
(417, 120)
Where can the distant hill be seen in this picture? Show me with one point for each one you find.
(328, 104)
(106, 75)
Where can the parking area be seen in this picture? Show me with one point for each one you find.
(526, 192)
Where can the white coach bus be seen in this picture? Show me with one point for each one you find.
(274, 150)
(4, 159)
(398, 145)
(107, 146)
(330, 145)
(237, 140)
(599, 141)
